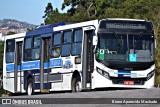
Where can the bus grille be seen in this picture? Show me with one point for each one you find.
(137, 81)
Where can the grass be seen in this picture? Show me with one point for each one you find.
(3, 92)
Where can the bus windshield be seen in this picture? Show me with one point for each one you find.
(125, 47)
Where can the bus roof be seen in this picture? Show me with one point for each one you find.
(14, 36)
(77, 25)
(124, 19)
(45, 29)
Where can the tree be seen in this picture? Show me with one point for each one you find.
(48, 12)
(82, 10)
(87, 7)
(54, 16)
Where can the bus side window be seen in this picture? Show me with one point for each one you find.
(27, 49)
(36, 48)
(66, 43)
(10, 49)
(77, 42)
(56, 50)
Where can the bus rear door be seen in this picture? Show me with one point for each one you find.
(18, 66)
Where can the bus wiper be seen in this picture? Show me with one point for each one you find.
(115, 35)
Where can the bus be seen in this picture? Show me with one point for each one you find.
(110, 52)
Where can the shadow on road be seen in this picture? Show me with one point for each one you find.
(60, 92)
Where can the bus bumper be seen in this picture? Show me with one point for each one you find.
(99, 81)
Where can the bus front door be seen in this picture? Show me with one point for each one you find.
(44, 65)
(17, 68)
(87, 58)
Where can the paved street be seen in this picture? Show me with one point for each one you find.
(105, 94)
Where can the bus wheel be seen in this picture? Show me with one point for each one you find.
(30, 90)
(76, 85)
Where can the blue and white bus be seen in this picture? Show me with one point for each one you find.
(94, 54)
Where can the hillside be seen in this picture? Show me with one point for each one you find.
(10, 25)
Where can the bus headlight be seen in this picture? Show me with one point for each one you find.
(150, 75)
(103, 73)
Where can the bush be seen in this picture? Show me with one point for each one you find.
(157, 81)
(157, 58)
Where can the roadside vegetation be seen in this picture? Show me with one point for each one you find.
(157, 58)
(2, 91)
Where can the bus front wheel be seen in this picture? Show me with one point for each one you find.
(76, 84)
(30, 90)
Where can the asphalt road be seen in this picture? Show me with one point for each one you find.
(109, 98)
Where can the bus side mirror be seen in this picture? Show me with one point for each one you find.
(95, 40)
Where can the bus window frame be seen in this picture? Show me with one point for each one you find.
(37, 47)
(6, 50)
(62, 42)
(31, 48)
(74, 42)
(57, 45)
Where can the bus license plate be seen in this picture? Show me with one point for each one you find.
(128, 82)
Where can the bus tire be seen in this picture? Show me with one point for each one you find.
(76, 84)
(30, 90)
